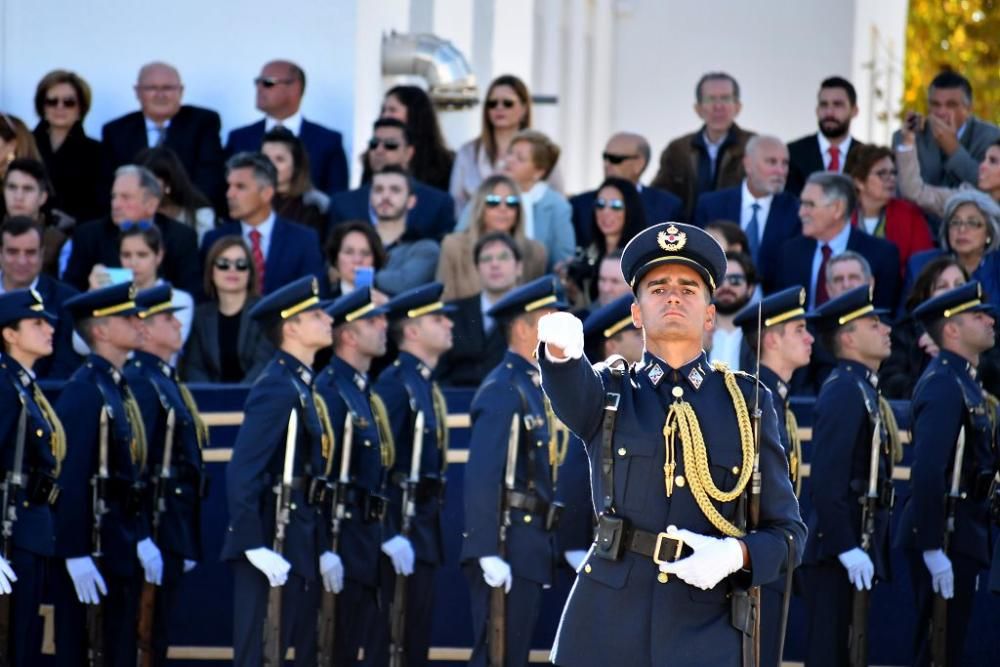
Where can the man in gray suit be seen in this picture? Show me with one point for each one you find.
(951, 142)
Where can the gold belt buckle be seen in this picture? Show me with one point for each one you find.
(659, 541)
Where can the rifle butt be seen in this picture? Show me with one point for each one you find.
(857, 643)
(5, 637)
(95, 636)
(272, 629)
(497, 640)
(144, 629)
(939, 632)
(397, 625)
(327, 618)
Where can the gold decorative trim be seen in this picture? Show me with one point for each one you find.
(425, 310)
(855, 314)
(617, 326)
(538, 303)
(363, 310)
(961, 308)
(299, 307)
(111, 310)
(784, 317)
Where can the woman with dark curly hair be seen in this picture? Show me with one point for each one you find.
(181, 200)
(432, 159)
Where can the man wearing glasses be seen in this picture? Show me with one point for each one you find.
(280, 87)
(191, 132)
(626, 155)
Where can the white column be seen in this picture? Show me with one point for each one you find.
(601, 94)
(549, 71)
(455, 20)
(575, 109)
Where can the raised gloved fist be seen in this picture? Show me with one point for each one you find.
(496, 572)
(400, 552)
(271, 564)
(714, 559)
(563, 331)
(942, 574)
(859, 566)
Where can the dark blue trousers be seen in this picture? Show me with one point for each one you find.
(120, 609)
(770, 626)
(827, 592)
(959, 607)
(419, 614)
(357, 611)
(166, 603)
(25, 623)
(523, 604)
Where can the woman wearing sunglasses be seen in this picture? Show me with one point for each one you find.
(231, 286)
(72, 159)
(497, 207)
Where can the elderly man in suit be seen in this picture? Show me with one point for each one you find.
(830, 148)
(191, 132)
(280, 87)
(626, 155)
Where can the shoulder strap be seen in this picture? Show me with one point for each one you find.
(617, 366)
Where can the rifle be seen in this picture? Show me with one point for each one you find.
(95, 620)
(12, 483)
(939, 611)
(397, 619)
(147, 602)
(857, 642)
(497, 637)
(282, 517)
(328, 608)
(751, 519)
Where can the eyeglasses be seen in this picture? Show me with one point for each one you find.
(967, 224)
(159, 89)
(240, 265)
(389, 144)
(885, 174)
(507, 104)
(141, 225)
(613, 204)
(735, 280)
(65, 102)
(615, 158)
(271, 81)
(510, 201)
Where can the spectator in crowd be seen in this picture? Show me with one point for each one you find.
(280, 87)
(912, 348)
(880, 212)
(432, 159)
(610, 281)
(231, 288)
(950, 142)
(192, 132)
(409, 261)
(626, 156)
(296, 199)
(496, 208)
(478, 341)
(281, 251)
(135, 198)
(732, 294)
(181, 200)
(729, 234)
(72, 159)
(506, 111)
(767, 214)
(827, 203)
(831, 147)
(26, 191)
(434, 214)
(16, 141)
(617, 216)
(548, 217)
(847, 271)
(710, 158)
(932, 198)
(352, 245)
(22, 246)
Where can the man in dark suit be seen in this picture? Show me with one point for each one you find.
(827, 202)
(712, 157)
(135, 196)
(191, 132)
(768, 216)
(280, 250)
(831, 147)
(432, 217)
(280, 87)
(478, 341)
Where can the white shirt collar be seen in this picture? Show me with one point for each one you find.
(293, 123)
(838, 243)
(824, 149)
(265, 228)
(748, 199)
(151, 124)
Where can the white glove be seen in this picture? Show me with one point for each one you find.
(189, 565)
(575, 558)
(400, 552)
(562, 330)
(714, 559)
(942, 576)
(496, 572)
(332, 570)
(7, 577)
(271, 564)
(860, 569)
(86, 579)
(151, 559)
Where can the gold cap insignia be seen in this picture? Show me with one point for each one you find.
(671, 240)
(802, 296)
(315, 285)
(35, 295)
(131, 291)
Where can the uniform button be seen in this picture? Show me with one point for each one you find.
(39, 433)
(677, 392)
(368, 443)
(527, 518)
(292, 505)
(587, 568)
(679, 480)
(621, 451)
(662, 577)
(25, 503)
(177, 492)
(347, 515)
(736, 470)
(538, 444)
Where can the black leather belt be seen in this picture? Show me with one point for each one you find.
(530, 503)
(40, 488)
(615, 535)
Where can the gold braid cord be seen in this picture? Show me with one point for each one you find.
(58, 438)
(992, 402)
(200, 427)
(441, 417)
(795, 457)
(386, 445)
(558, 439)
(327, 439)
(682, 420)
(891, 428)
(138, 445)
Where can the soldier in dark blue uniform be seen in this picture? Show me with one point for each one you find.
(839, 558)
(665, 581)
(947, 540)
(175, 484)
(359, 336)
(511, 417)
(105, 437)
(420, 328)
(28, 524)
(294, 321)
(785, 344)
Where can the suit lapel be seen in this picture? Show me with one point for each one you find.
(275, 256)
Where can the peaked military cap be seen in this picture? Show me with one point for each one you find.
(353, 306)
(544, 292)
(296, 297)
(116, 300)
(610, 319)
(158, 299)
(967, 298)
(673, 242)
(846, 308)
(23, 304)
(418, 301)
(784, 306)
